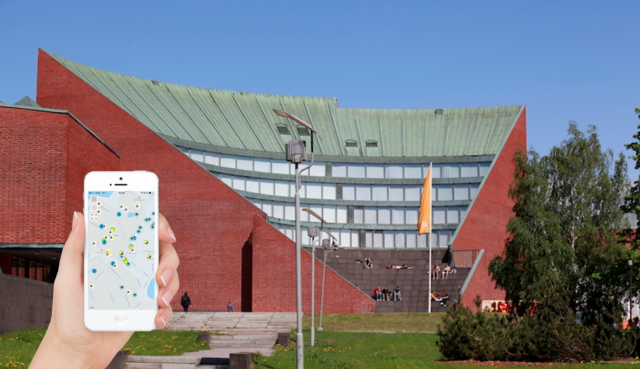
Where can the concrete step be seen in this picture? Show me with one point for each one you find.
(163, 359)
(172, 366)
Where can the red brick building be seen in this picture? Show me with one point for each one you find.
(229, 199)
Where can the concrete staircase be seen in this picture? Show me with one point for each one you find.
(221, 321)
(413, 283)
(173, 362)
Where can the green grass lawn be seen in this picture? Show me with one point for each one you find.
(378, 322)
(18, 348)
(345, 350)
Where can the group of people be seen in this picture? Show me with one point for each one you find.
(386, 295)
(442, 298)
(446, 271)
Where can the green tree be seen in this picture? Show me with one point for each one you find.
(562, 238)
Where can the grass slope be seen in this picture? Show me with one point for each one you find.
(378, 322)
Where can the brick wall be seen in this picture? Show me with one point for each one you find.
(24, 303)
(212, 222)
(486, 223)
(274, 277)
(44, 157)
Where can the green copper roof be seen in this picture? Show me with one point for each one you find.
(26, 101)
(246, 120)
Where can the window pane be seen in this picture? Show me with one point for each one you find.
(363, 193)
(329, 191)
(226, 179)
(358, 215)
(461, 192)
(197, 155)
(345, 238)
(396, 193)
(290, 233)
(453, 215)
(244, 163)
(375, 170)
(412, 239)
(329, 214)
(445, 192)
(253, 185)
(257, 203)
(469, 170)
(437, 173)
(211, 158)
(412, 193)
(378, 240)
(355, 239)
(339, 170)
(316, 209)
(413, 171)
(280, 167)
(356, 170)
(484, 168)
(379, 193)
(238, 183)
(267, 207)
(474, 190)
(314, 190)
(443, 239)
(400, 239)
(227, 161)
(389, 239)
(370, 215)
(289, 211)
(348, 192)
(282, 188)
(305, 240)
(368, 239)
(278, 210)
(394, 170)
(262, 165)
(439, 215)
(341, 216)
(184, 150)
(450, 170)
(412, 215)
(434, 193)
(318, 170)
(384, 216)
(463, 211)
(266, 187)
(397, 215)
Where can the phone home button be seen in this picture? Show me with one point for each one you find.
(121, 319)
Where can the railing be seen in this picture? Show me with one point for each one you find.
(464, 258)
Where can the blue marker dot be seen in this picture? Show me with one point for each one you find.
(135, 295)
(119, 214)
(94, 270)
(113, 262)
(121, 256)
(122, 287)
(104, 242)
(101, 226)
(133, 238)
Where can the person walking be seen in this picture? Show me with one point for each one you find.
(229, 307)
(185, 302)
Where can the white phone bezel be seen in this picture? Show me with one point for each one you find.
(104, 320)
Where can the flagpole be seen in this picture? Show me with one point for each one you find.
(430, 263)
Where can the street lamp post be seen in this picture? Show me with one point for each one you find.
(630, 265)
(313, 273)
(296, 154)
(325, 245)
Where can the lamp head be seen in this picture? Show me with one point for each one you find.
(293, 117)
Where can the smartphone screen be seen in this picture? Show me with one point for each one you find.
(121, 254)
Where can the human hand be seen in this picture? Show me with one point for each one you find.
(68, 343)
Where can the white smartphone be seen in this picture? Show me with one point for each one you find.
(121, 251)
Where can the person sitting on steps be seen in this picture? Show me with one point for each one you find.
(367, 263)
(436, 272)
(446, 271)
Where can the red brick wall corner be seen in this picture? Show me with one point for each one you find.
(274, 278)
(485, 226)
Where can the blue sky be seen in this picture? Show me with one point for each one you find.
(571, 60)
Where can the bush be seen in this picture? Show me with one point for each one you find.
(550, 334)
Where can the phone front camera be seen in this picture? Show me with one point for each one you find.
(121, 178)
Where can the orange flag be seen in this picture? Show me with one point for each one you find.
(424, 219)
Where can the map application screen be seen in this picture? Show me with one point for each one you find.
(121, 250)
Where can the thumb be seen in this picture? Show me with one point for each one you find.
(72, 252)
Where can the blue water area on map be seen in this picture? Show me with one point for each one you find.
(151, 290)
(130, 215)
